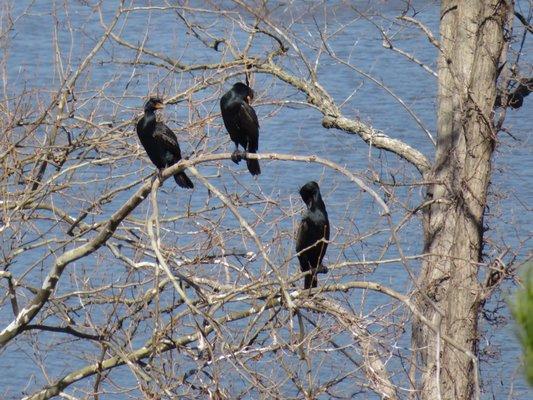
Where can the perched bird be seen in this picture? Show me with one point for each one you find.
(160, 142)
(313, 230)
(241, 123)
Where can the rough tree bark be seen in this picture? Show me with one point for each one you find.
(472, 40)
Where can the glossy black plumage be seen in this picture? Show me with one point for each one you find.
(241, 123)
(160, 142)
(313, 230)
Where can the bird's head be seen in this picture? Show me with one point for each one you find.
(310, 192)
(153, 103)
(245, 91)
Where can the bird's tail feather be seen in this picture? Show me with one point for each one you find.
(253, 167)
(183, 180)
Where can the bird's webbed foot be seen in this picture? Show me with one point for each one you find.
(322, 269)
(236, 156)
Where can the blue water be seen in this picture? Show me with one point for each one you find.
(112, 91)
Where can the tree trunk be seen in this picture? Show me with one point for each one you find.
(472, 40)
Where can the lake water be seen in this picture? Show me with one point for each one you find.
(112, 91)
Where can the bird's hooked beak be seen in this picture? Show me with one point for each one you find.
(310, 194)
(306, 197)
(159, 105)
(250, 96)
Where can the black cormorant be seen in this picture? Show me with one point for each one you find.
(313, 230)
(160, 142)
(241, 123)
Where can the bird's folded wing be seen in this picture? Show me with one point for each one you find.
(167, 139)
(249, 124)
(300, 236)
(248, 117)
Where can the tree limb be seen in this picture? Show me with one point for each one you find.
(107, 229)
